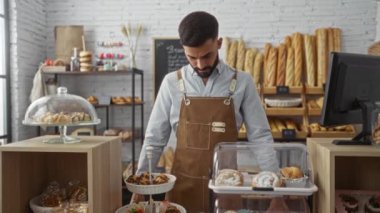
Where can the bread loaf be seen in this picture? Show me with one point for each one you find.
(267, 48)
(298, 58)
(330, 41)
(257, 67)
(281, 65)
(232, 54)
(289, 74)
(272, 67)
(279, 124)
(225, 46)
(248, 61)
(310, 67)
(240, 55)
(321, 56)
(290, 124)
(337, 34)
(288, 41)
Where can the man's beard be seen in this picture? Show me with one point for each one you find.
(207, 71)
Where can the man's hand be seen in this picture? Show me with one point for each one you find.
(136, 198)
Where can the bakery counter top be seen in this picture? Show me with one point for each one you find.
(342, 167)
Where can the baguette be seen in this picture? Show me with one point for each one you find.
(321, 56)
(288, 41)
(281, 65)
(226, 45)
(240, 55)
(272, 66)
(248, 61)
(267, 48)
(279, 124)
(289, 74)
(330, 40)
(232, 54)
(257, 67)
(337, 34)
(290, 124)
(298, 60)
(309, 53)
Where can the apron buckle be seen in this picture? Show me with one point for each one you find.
(187, 101)
(227, 101)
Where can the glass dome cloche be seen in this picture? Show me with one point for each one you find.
(61, 110)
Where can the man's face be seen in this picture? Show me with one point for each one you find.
(204, 58)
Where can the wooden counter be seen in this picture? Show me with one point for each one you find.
(341, 167)
(28, 166)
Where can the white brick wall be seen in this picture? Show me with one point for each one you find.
(28, 48)
(257, 21)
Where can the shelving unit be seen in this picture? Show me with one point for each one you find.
(28, 166)
(133, 72)
(303, 113)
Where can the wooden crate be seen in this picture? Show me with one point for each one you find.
(28, 166)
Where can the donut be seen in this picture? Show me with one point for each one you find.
(85, 54)
(85, 59)
(229, 177)
(266, 180)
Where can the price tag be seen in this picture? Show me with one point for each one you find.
(289, 133)
(282, 90)
(262, 189)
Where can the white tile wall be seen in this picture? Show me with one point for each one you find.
(256, 21)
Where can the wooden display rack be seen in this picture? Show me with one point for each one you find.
(28, 166)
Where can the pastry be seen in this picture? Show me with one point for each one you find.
(290, 124)
(85, 54)
(291, 172)
(143, 179)
(85, 65)
(310, 66)
(125, 135)
(111, 132)
(281, 66)
(232, 54)
(280, 126)
(160, 179)
(257, 67)
(267, 48)
(85, 60)
(59, 62)
(52, 195)
(229, 177)
(315, 127)
(92, 99)
(240, 55)
(289, 73)
(266, 180)
(298, 58)
(272, 67)
(321, 56)
(350, 203)
(373, 204)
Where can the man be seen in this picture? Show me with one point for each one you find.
(205, 103)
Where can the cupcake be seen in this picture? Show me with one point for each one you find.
(350, 203)
(373, 204)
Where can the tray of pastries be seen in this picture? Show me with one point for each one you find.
(157, 183)
(316, 130)
(249, 174)
(120, 100)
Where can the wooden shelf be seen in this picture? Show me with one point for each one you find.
(299, 135)
(332, 134)
(314, 90)
(291, 111)
(28, 166)
(314, 112)
(111, 105)
(273, 90)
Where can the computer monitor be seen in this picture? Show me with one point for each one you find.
(352, 88)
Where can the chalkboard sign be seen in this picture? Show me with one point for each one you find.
(168, 56)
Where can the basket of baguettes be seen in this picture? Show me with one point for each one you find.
(277, 125)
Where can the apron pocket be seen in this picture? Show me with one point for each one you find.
(198, 135)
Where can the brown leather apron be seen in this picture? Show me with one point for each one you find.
(203, 123)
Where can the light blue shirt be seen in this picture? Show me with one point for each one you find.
(247, 104)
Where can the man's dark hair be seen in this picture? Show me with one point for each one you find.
(196, 28)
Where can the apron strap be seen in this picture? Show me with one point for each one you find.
(181, 85)
(231, 89)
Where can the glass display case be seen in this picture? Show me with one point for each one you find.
(244, 180)
(61, 110)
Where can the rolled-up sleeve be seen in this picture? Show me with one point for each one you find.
(158, 130)
(258, 130)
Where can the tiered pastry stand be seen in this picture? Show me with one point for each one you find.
(151, 189)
